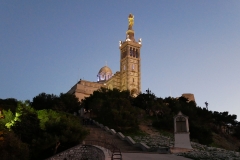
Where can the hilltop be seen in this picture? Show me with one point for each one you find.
(121, 111)
(49, 123)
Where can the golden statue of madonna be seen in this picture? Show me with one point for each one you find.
(130, 21)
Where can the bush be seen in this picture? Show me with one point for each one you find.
(13, 148)
(202, 134)
(164, 123)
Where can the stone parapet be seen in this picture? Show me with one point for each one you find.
(120, 135)
(130, 140)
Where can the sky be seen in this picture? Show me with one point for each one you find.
(187, 46)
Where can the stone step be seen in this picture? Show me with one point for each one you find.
(98, 134)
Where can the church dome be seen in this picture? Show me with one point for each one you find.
(104, 74)
(105, 69)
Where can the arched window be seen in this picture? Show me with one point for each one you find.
(136, 53)
(131, 51)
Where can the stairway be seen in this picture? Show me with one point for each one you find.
(98, 134)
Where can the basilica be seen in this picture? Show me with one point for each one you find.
(129, 76)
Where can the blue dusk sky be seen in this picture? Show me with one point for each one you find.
(188, 46)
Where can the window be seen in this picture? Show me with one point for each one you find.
(131, 51)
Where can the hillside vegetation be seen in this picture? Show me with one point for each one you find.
(124, 113)
(39, 129)
(46, 125)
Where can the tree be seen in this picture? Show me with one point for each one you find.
(9, 103)
(146, 101)
(44, 101)
(112, 108)
(7, 121)
(44, 131)
(64, 102)
(70, 102)
(237, 131)
(60, 130)
(27, 128)
(13, 148)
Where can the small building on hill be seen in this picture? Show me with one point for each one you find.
(189, 96)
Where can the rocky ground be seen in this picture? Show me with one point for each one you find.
(155, 139)
(206, 153)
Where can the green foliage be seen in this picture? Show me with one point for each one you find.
(164, 123)
(64, 128)
(8, 104)
(46, 126)
(64, 103)
(71, 103)
(45, 115)
(151, 104)
(237, 131)
(57, 128)
(198, 118)
(44, 131)
(113, 108)
(28, 126)
(44, 101)
(202, 122)
(146, 100)
(7, 121)
(202, 133)
(12, 148)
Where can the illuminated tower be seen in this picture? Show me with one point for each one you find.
(130, 61)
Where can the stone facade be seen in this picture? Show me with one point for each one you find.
(130, 67)
(189, 96)
(84, 88)
(129, 76)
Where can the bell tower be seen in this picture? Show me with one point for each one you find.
(130, 61)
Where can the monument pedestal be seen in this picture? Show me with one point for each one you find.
(182, 140)
(181, 133)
